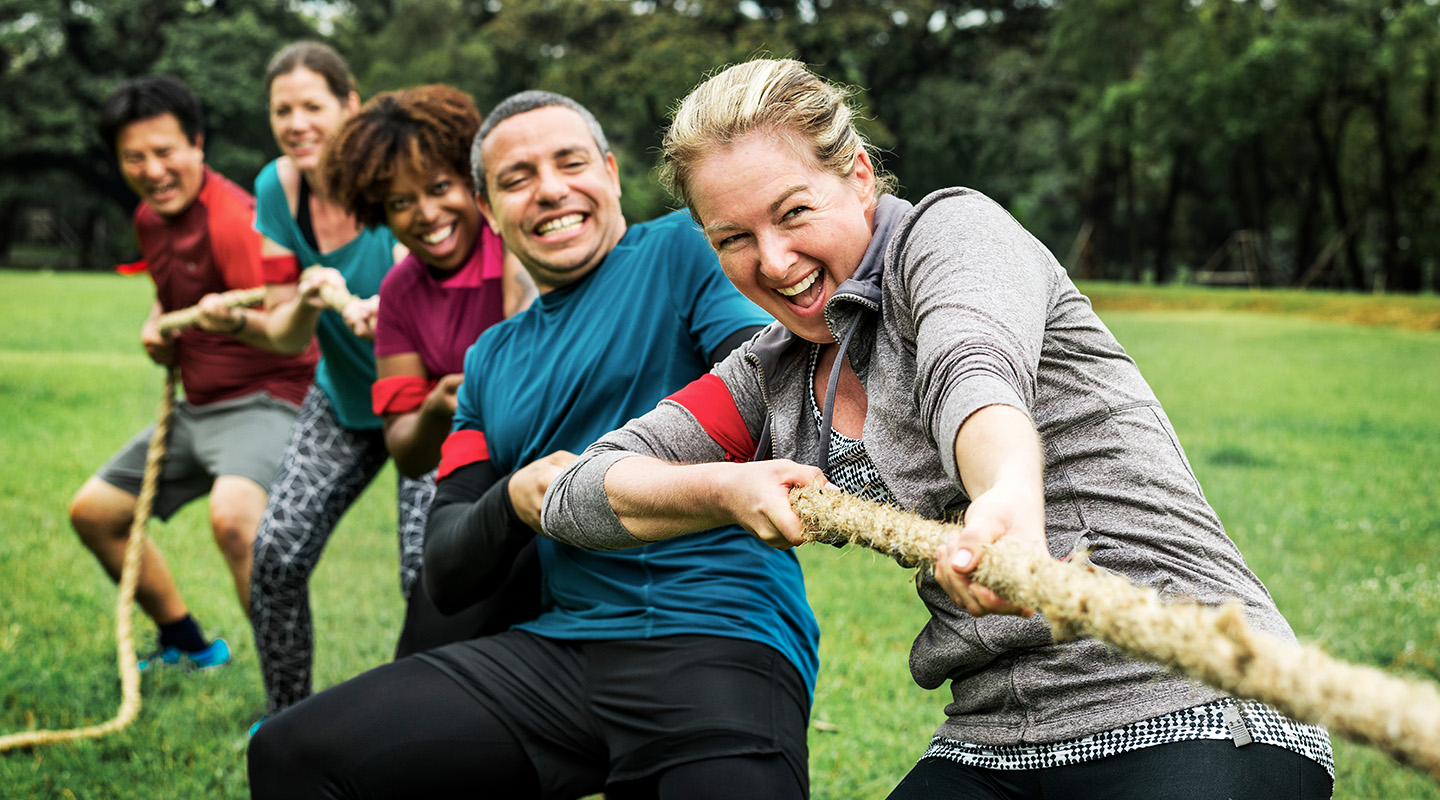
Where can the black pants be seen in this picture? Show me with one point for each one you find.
(409, 729)
(1195, 770)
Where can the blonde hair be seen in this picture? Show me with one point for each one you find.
(779, 96)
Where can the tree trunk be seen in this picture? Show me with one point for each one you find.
(1330, 172)
(1165, 225)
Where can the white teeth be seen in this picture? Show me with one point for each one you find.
(436, 237)
(801, 286)
(560, 223)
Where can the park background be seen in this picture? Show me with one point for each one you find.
(1154, 146)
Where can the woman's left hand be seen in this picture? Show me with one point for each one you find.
(1002, 512)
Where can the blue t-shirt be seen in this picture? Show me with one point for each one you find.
(582, 361)
(347, 363)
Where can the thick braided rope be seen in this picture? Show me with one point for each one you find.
(335, 298)
(1213, 645)
(125, 603)
(185, 317)
(238, 298)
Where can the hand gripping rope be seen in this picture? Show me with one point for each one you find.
(1213, 645)
(130, 570)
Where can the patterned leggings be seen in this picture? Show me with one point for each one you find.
(324, 469)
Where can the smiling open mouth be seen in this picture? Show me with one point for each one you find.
(560, 224)
(791, 291)
(438, 236)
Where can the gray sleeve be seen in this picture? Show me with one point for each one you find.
(576, 509)
(974, 289)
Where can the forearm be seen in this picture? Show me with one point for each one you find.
(251, 329)
(998, 455)
(613, 499)
(472, 535)
(414, 440)
(656, 500)
(998, 446)
(288, 327)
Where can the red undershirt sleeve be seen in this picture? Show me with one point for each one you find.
(708, 399)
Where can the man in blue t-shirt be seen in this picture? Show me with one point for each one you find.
(683, 669)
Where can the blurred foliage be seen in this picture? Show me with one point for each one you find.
(1238, 141)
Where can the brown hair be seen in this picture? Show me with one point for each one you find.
(420, 128)
(319, 58)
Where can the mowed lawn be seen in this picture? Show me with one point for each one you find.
(1316, 440)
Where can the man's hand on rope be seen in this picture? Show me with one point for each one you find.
(159, 346)
(528, 485)
(1002, 512)
(218, 316)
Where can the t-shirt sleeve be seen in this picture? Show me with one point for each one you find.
(713, 309)
(233, 239)
(272, 210)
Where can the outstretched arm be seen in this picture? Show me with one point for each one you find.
(478, 522)
(415, 434)
(655, 500)
(998, 455)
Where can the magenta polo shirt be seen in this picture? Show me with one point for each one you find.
(439, 315)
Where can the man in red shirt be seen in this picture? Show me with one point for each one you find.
(196, 232)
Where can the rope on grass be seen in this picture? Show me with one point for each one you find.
(125, 603)
(135, 547)
(1213, 645)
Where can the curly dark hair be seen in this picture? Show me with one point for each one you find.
(421, 128)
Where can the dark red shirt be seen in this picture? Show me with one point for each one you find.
(212, 246)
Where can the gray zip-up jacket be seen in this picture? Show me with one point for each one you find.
(956, 307)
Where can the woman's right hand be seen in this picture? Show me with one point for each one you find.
(757, 496)
(313, 279)
(360, 314)
(442, 400)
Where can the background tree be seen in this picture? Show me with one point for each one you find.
(1289, 144)
(61, 59)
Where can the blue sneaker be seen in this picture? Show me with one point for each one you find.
(215, 654)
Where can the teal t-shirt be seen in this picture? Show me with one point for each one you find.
(582, 361)
(347, 363)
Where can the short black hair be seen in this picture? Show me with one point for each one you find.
(519, 103)
(146, 98)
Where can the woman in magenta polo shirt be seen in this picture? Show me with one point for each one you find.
(404, 161)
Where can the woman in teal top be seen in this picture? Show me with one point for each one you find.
(337, 445)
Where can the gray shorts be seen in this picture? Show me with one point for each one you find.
(243, 436)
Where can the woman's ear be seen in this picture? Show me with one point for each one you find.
(862, 175)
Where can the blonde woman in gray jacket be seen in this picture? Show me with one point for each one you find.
(938, 358)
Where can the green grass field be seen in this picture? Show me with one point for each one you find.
(1316, 440)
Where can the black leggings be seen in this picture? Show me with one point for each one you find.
(1196, 770)
(434, 740)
